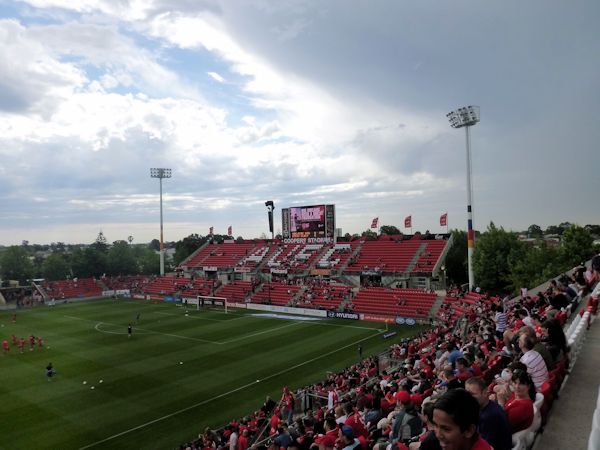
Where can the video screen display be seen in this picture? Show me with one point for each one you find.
(308, 221)
(311, 218)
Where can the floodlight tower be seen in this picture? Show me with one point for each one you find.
(160, 174)
(467, 117)
(270, 208)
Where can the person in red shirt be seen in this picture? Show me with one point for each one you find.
(455, 419)
(5, 346)
(463, 372)
(519, 406)
(242, 443)
(354, 420)
(274, 422)
(287, 402)
(327, 441)
(40, 342)
(31, 342)
(15, 341)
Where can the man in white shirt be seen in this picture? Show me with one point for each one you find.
(536, 367)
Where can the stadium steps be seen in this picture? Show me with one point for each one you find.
(441, 261)
(40, 289)
(102, 285)
(266, 259)
(316, 260)
(441, 295)
(355, 252)
(189, 258)
(415, 258)
(297, 295)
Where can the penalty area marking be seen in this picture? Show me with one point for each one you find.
(178, 336)
(97, 328)
(192, 317)
(225, 394)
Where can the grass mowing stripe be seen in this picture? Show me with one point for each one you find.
(143, 378)
(281, 372)
(248, 336)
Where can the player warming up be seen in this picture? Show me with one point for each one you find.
(50, 371)
(129, 330)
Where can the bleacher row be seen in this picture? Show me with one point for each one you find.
(377, 300)
(388, 254)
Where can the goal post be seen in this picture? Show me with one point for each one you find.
(208, 300)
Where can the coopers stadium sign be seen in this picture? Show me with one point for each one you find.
(342, 315)
(309, 240)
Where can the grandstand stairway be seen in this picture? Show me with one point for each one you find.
(438, 303)
(415, 258)
(347, 262)
(193, 255)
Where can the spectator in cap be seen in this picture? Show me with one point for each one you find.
(347, 438)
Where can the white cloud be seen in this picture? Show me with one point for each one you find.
(215, 76)
(307, 108)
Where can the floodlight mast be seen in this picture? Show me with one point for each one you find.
(161, 173)
(467, 117)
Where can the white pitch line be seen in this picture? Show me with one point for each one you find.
(144, 425)
(345, 326)
(206, 341)
(193, 317)
(241, 338)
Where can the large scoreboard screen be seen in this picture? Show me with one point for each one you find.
(306, 222)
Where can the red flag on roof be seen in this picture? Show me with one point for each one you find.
(229, 231)
(408, 222)
(375, 222)
(444, 219)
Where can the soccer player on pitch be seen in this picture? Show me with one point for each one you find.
(50, 371)
(5, 346)
(129, 330)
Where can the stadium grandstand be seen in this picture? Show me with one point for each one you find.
(472, 336)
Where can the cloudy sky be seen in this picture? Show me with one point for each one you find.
(300, 102)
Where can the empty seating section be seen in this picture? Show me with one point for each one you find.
(326, 296)
(385, 256)
(221, 255)
(404, 302)
(199, 286)
(166, 285)
(77, 287)
(276, 293)
(336, 255)
(255, 257)
(429, 256)
(293, 257)
(236, 291)
(389, 254)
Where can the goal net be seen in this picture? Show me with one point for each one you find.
(207, 301)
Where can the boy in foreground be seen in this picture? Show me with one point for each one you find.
(455, 416)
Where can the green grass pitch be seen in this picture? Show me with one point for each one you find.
(147, 398)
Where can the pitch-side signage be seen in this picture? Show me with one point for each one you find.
(405, 321)
(342, 315)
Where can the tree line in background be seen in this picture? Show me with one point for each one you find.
(502, 262)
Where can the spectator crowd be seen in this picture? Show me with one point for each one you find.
(463, 385)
